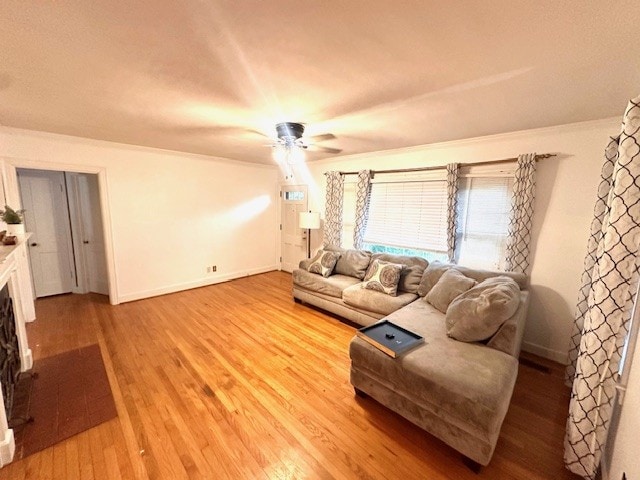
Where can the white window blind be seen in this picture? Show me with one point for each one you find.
(408, 215)
(484, 205)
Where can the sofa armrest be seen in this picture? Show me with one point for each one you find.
(508, 338)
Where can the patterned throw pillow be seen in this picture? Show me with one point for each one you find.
(324, 262)
(383, 277)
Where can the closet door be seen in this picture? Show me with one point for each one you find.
(92, 236)
(44, 199)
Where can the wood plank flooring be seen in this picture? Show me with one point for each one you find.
(238, 381)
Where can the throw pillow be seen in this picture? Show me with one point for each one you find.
(431, 275)
(323, 262)
(452, 283)
(477, 314)
(352, 263)
(411, 273)
(383, 277)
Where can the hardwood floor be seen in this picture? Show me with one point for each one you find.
(238, 381)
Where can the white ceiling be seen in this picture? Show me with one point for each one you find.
(194, 76)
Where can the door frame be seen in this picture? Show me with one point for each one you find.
(12, 196)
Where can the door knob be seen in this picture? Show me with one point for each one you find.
(85, 241)
(34, 244)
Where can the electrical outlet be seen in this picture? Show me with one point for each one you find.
(208, 269)
(214, 268)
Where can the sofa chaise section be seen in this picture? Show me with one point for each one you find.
(457, 391)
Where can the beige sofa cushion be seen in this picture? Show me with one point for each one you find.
(452, 283)
(411, 274)
(383, 277)
(351, 262)
(332, 286)
(376, 302)
(478, 313)
(435, 270)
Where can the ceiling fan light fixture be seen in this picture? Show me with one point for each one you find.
(289, 146)
(290, 134)
(292, 130)
(288, 154)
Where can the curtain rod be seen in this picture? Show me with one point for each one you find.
(441, 167)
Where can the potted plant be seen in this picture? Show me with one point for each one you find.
(13, 219)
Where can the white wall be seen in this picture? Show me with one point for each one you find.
(621, 454)
(566, 192)
(171, 214)
(623, 445)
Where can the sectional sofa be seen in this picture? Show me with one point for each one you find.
(458, 389)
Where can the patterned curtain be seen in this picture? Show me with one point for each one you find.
(363, 196)
(333, 209)
(452, 211)
(600, 216)
(524, 188)
(614, 279)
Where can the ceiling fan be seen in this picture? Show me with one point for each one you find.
(290, 134)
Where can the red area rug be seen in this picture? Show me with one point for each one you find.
(71, 394)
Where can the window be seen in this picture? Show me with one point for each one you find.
(408, 218)
(408, 215)
(294, 195)
(484, 204)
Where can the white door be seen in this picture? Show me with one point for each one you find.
(293, 238)
(91, 234)
(44, 199)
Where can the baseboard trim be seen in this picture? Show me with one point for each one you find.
(7, 448)
(26, 361)
(178, 287)
(555, 355)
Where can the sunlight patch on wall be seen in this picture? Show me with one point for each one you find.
(247, 210)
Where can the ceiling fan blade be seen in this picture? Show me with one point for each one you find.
(321, 138)
(199, 130)
(319, 148)
(257, 132)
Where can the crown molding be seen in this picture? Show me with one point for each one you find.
(613, 122)
(125, 146)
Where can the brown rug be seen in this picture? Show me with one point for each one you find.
(70, 395)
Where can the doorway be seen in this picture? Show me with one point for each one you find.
(293, 242)
(66, 250)
(88, 232)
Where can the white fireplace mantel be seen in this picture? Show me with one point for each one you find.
(15, 273)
